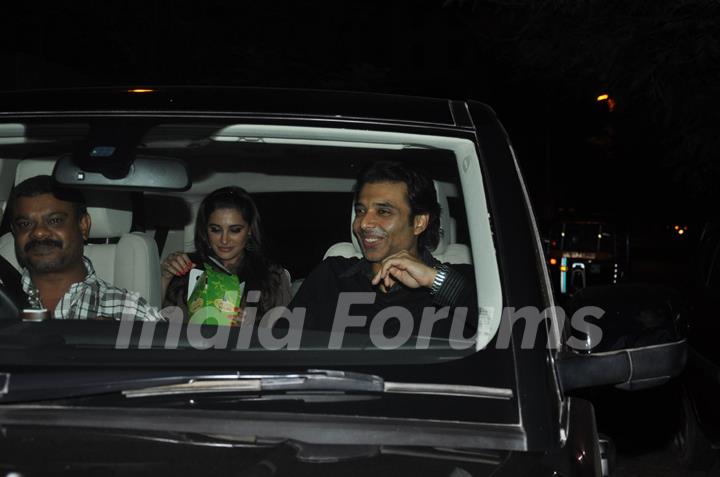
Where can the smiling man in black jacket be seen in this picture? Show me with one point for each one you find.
(397, 223)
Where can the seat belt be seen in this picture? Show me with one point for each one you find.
(161, 234)
(10, 280)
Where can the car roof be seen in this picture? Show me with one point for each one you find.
(240, 100)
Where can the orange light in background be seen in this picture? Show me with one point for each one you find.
(141, 90)
(553, 261)
(610, 101)
(677, 227)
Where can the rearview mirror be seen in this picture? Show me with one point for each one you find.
(143, 173)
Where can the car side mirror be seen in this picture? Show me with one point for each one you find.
(638, 342)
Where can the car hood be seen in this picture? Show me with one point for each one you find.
(41, 450)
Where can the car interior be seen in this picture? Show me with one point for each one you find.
(300, 177)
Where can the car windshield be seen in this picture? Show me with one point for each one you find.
(300, 179)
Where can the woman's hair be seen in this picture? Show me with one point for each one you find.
(255, 268)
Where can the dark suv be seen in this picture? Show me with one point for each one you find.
(100, 397)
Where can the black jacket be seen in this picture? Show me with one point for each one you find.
(321, 291)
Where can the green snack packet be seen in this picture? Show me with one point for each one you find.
(216, 298)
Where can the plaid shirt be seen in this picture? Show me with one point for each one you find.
(94, 298)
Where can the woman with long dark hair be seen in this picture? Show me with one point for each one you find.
(228, 249)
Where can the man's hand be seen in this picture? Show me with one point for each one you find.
(405, 268)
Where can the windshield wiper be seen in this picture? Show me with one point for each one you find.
(315, 380)
(36, 386)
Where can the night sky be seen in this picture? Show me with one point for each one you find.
(541, 65)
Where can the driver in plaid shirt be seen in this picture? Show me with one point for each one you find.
(50, 225)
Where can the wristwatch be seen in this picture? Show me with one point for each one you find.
(440, 276)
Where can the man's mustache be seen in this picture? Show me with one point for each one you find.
(47, 243)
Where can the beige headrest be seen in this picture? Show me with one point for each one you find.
(110, 212)
(445, 221)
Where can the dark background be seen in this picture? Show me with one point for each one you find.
(541, 65)
(647, 160)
